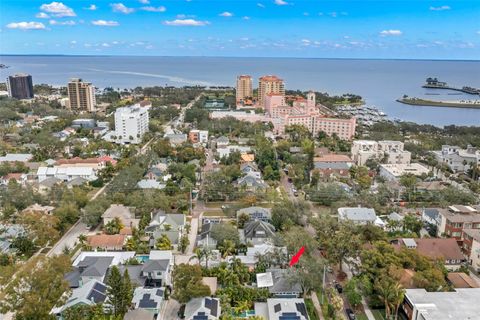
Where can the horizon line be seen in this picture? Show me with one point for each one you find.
(227, 57)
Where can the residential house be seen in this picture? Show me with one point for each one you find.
(66, 173)
(176, 138)
(198, 136)
(205, 308)
(282, 309)
(226, 151)
(358, 215)
(432, 216)
(279, 283)
(420, 304)
(444, 249)
(251, 182)
(19, 178)
(250, 168)
(108, 242)
(204, 238)
(222, 142)
(8, 233)
(250, 258)
(154, 272)
(37, 208)
(257, 232)
(94, 265)
(93, 292)
(125, 214)
(461, 280)
(150, 184)
(458, 159)
(331, 170)
(471, 247)
(149, 299)
(46, 185)
(16, 157)
(456, 218)
(95, 163)
(256, 213)
(170, 224)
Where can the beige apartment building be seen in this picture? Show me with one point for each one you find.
(81, 95)
(244, 88)
(269, 85)
(386, 151)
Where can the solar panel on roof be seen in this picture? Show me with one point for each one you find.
(100, 287)
(212, 304)
(96, 296)
(146, 302)
(302, 309)
(289, 316)
(277, 307)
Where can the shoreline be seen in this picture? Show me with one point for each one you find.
(441, 104)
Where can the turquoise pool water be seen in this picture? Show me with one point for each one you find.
(142, 259)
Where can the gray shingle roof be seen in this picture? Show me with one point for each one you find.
(259, 229)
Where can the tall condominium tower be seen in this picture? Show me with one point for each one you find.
(81, 95)
(269, 85)
(244, 87)
(20, 86)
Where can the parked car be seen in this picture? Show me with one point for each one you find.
(350, 314)
(339, 287)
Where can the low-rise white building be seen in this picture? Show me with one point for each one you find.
(457, 159)
(459, 304)
(393, 172)
(66, 174)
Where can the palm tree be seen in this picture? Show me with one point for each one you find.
(227, 248)
(197, 255)
(391, 293)
(397, 298)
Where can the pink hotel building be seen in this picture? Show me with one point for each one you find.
(305, 112)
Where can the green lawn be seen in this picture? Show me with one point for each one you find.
(312, 313)
(213, 213)
(379, 314)
(361, 317)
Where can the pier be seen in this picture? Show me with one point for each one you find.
(433, 83)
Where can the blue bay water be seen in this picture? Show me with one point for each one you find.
(380, 82)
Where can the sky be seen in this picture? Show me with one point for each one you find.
(388, 29)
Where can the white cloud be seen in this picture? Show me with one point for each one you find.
(246, 18)
(226, 14)
(105, 23)
(280, 2)
(62, 23)
(261, 5)
(306, 14)
(441, 8)
(154, 9)
(391, 33)
(58, 9)
(333, 14)
(186, 23)
(73, 42)
(120, 7)
(478, 32)
(26, 25)
(144, 1)
(106, 45)
(42, 15)
(92, 7)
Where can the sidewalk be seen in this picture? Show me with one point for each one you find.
(367, 310)
(316, 303)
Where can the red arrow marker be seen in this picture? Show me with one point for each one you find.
(297, 256)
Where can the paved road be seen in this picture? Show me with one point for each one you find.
(169, 310)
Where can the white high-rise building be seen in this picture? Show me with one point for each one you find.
(131, 123)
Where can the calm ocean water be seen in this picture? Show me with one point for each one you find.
(380, 82)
